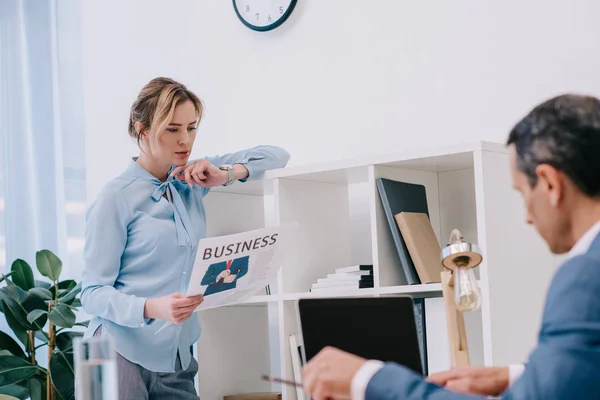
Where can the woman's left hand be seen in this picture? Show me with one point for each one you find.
(201, 173)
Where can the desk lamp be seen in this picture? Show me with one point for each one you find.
(460, 290)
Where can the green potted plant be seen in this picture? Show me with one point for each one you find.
(41, 315)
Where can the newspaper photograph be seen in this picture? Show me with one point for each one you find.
(231, 269)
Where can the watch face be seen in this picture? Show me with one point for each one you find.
(263, 15)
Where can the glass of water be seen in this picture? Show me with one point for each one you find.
(95, 369)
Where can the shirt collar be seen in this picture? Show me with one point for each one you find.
(137, 170)
(584, 242)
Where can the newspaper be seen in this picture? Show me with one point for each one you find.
(231, 269)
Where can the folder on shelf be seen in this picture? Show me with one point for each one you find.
(397, 197)
(419, 309)
(422, 245)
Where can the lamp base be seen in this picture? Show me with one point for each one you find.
(457, 333)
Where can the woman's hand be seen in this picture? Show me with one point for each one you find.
(205, 174)
(201, 173)
(175, 308)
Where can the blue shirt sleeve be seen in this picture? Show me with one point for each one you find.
(105, 239)
(256, 159)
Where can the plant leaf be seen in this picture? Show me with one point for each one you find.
(72, 294)
(12, 297)
(14, 292)
(43, 284)
(48, 264)
(16, 391)
(14, 369)
(7, 397)
(40, 336)
(42, 293)
(37, 388)
(5, 276)
(83, 323)
(35, 314)
(64, 340)
(8, 343)
(62, 374)
(32, 303)
(76, 303)
(22, 275)
(62, 316)
(20, 304)
(18, 329)
(67, 284)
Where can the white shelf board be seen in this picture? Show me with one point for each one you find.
(428, 290)
(443, 158)
(328, 294)
(261, 300)
(443, 163)
(254, 188)
(422, 290)
(350, 175)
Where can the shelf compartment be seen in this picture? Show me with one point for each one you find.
(451, 205)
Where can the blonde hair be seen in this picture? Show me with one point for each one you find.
(155, 105)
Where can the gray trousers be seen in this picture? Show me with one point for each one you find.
(138, 383)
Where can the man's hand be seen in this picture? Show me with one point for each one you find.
(201, 173)
(488, 381)
(175, 308)
(329, 374)
(224, 274)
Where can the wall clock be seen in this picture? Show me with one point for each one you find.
(263, 15)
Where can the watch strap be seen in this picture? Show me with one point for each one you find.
(230, 174)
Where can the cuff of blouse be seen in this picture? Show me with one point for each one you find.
(142, 320)
(245, 165)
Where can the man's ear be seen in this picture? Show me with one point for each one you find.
(552, 182)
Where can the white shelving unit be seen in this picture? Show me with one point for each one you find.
(342, 223)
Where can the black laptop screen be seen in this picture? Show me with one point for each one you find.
(373, 328)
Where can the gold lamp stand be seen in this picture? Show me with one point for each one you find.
(457, 258)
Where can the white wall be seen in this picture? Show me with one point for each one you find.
(341, 78)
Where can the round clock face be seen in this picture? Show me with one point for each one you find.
(263, 15)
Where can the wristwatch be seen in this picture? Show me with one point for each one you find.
(231, 174)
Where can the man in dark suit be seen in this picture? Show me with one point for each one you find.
(555, 162)
(223, 275)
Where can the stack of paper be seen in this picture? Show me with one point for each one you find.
(353, 277)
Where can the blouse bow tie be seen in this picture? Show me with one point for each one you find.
(178, 207)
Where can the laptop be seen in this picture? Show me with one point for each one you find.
(381, 328)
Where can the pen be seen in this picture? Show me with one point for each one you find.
(163, 327)
(279, 380)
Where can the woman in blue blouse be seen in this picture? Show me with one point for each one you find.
(141, 239)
